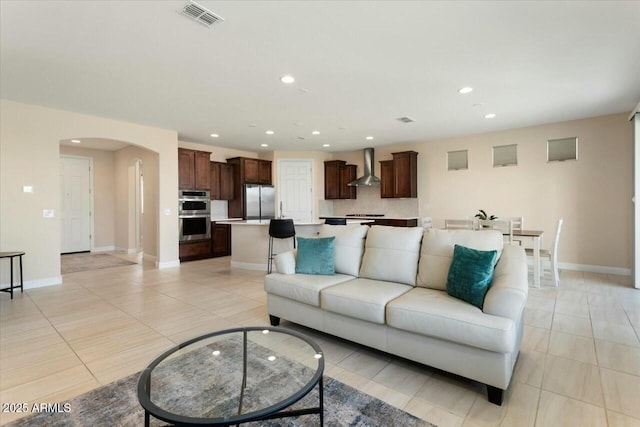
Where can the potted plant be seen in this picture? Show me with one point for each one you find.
(482, 215)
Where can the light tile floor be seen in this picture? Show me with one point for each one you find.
(579, 364)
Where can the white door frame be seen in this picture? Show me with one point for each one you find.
(91, 205)
(310, 162)
(635, 204)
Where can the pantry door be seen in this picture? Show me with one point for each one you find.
(295, 189)
(75, 204)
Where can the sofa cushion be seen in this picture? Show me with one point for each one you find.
(315, 256)
(391, 254)
(286, 262)
(470, 274)
(303, 288)
(437, 251)
(434, 313)
(361, 298)
(348, 247)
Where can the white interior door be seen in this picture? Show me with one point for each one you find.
(295, 189)
(75, 204)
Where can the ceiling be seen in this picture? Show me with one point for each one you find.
(358, 65)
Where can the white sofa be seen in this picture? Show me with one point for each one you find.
(389, 293)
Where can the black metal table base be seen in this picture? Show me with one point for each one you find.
(11, 256)
(283, 414)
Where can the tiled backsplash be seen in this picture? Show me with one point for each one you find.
(219, 209)
(369, 201)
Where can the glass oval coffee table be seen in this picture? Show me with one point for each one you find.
(232, 377)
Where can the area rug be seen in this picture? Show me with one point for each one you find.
(116, 404)
(72, 263)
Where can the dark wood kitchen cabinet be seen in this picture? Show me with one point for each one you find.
(220, 240)
(337, 174)
(396, 222)
(221, 178)
(191, 251)
(193, 169)
(246, 171)
(253, 171)
(386, 179)
(399, 177)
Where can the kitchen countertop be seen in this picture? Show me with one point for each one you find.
(266, 221)
(368, 217)
(220, 220)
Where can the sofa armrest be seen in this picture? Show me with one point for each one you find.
(286, 262)
(507, 295)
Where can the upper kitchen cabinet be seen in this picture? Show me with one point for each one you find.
(246, 171)
(193, 169)
(253, 171)
(221, 181)
(399, 177)
(386, 179)
(337, 174)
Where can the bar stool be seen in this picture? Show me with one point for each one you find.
(279, 229)
(336, 221)
(11, 256)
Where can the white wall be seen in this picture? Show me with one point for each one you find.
(591, 194)
(29, 151)
(126, 159)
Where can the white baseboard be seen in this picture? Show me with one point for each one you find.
(595, 268)
(104, 249)
(168, 264)
(39, 283)
(248, 265)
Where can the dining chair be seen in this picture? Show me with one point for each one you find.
(503, 225)
(552, 254)
(518, 225)
(459, 224)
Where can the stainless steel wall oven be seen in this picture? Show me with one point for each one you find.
(194, 215)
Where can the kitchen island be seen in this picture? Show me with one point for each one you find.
(250, 240)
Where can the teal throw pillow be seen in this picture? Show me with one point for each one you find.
(470, 274)
(316, 256)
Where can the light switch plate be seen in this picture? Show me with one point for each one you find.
(167, 212)
(27, 189)
(47, 213)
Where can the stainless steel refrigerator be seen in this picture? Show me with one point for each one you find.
(259, 201)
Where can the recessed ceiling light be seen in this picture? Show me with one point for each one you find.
(252, 125)
(315, 132)
(369, 138)
(287, 79)
(464, 90)
(326, 145)
(269, 132)
(214, 135)
(264, 145)
(75, 141)
(489, 116)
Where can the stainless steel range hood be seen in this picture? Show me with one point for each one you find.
(368, 179)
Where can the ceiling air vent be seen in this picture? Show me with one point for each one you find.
(200, 14)
(405, 119)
